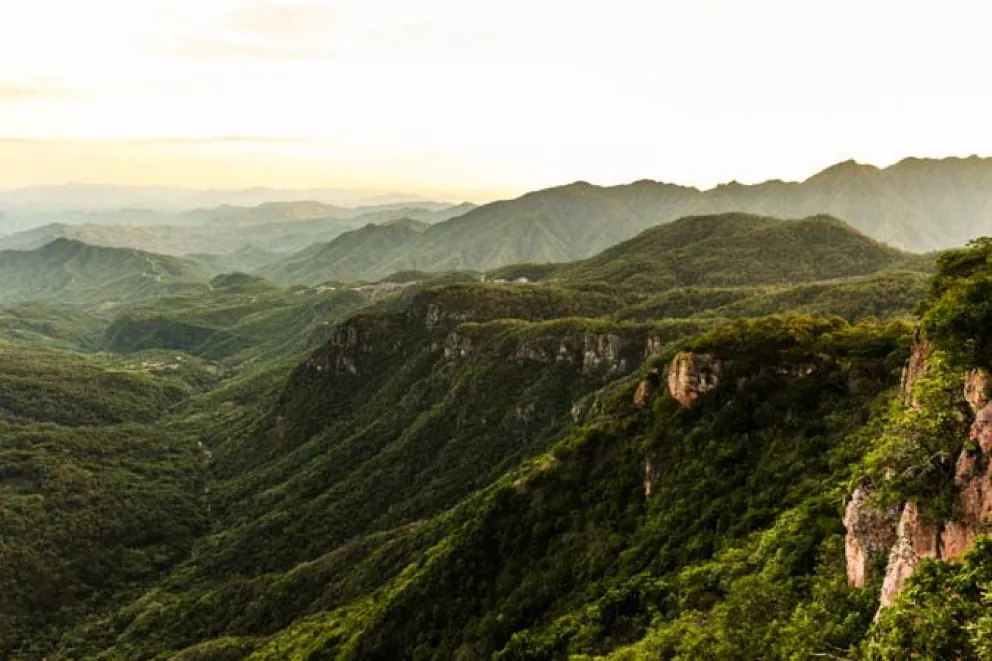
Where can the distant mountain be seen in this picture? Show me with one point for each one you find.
(73, 272)
(918, 204)
(350, 256)
(95, 197)
(264, 231)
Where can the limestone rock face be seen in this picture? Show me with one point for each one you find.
(977, 384)
(915, 540)
(914, 369)
(602, 352)
(642, 394)
(433, 317)
(868, 531)
(871, 532)
(457, 346)
(653, 346)
(690, 375)
(649, 478)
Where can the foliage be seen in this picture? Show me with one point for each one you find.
(88, 516)
(915, 448)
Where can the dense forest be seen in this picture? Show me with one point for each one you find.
(729, 437)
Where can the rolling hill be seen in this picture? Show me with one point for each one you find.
(739, 249)
(74, 272)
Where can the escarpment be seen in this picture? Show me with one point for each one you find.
(973, 471)
(871, 534)
(873, 537)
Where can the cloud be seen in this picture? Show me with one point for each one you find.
(301, 29)
(176, 141)
(259, 29)
(16, 91)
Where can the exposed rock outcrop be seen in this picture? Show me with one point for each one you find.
(457, 346)
(653, 346)
(593, 353)
(871, 532)
(642, 394)
(915, 539)
(973, 471)
(690, 375)
(977, 384)
(649, 478)
(914, 369)
(602, 352)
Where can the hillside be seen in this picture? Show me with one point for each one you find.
(738, 249)
(352, 256)
(721, 250)
(618, 458)
(73, 272)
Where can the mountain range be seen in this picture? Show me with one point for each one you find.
(917, 204)
(712, 251)
(271, 228)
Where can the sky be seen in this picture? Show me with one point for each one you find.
(477, 98)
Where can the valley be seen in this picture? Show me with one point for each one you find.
(607, 458)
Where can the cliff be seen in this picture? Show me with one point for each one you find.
(872, 532)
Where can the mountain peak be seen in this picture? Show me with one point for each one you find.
(844, 170)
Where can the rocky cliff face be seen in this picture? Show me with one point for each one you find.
(592, 353)
(691, 375)
(914, 369)
(915, 539)
(353, 345)
(870, 531)
(973, 471)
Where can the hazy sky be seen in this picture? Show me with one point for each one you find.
(473, 95)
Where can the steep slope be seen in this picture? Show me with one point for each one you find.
(457, 490)
(70, 271)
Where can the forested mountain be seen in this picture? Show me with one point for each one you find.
(727, 249)
(351, 256)
(917, 204)
(620, 457)
(739, 249)
(74, 272)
